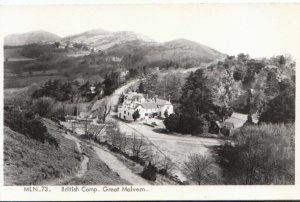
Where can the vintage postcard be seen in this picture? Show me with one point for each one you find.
(139, 101)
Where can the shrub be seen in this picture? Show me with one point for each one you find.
(238, 74)
(136, 115)
(187, 124)
(43, 106)
(171, 122)
(281, 109)
(202, 169)
(166, 114)
(149, 172)
(264, 154)
(25, 122)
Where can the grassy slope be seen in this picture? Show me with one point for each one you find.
(98, 172)
(20, 82)
(28, 162)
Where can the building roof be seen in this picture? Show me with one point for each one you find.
(161, 102)
(133, 96)
(149, 105)
(152, 103)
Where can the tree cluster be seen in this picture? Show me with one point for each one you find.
(263, 154)
(281, 109)
(197, 109)
(67, 91)
(202, 169)
(164, 85)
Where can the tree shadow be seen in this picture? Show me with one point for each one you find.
(161, 130)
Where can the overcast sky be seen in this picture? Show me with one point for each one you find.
(260, 30)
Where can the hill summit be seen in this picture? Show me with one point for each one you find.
(30, 37)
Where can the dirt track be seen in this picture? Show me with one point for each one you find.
(79, 173)
(117, 166)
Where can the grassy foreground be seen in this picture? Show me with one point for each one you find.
(28, 161)
(98, 173)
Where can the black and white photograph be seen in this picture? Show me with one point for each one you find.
(139, 95)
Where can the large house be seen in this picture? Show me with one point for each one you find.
(147, 107)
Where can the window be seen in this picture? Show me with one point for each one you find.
(124, 112)
(128, 113)
(146, 114)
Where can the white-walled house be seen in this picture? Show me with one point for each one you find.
(153, 107)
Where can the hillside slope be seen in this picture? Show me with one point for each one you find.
(243, 81)
(30, 162)
(103, 40)
(144, 50)
(98, 52)
(30, 37)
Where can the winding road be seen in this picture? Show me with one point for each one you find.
(117, 166)
(111, 161)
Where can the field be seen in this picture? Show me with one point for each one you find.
(239, 119)
(20, 82)
(14, 55)
(176, 147)
(78, 54)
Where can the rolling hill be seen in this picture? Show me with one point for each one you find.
(103, 51)
(145, 49)
(103, 40)
(30, 37)
(124, 43)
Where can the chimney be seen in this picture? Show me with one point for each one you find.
(155, 98)
(169, 98)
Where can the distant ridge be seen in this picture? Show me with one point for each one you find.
(125, 42)
(30, 37)
(122, 43)
(102, 39)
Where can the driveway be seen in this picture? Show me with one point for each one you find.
(176, 147)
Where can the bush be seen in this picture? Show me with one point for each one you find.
(43, 106)
(171, 122)
(186, 124)
(136, 115)
(25, 122)
(202, 169)
(238, 74)
(264, 154)
(281, 109)
(149, 172)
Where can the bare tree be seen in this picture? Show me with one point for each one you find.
(201, 169)
(167, 166)
(97, 131)
(123, 142)
(86, 124)
(103, 110)
(138, 145)
(115, 136)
